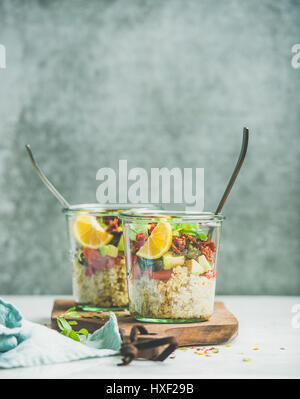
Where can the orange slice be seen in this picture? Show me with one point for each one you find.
(158, 243)
(89, 233)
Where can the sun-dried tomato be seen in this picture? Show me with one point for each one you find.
(113, 226)
(178, 244)
(207, 252)
(194, 240)
(206, 247)
(139, 242)
(211, 245)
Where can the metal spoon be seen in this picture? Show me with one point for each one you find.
(44, 179)
(236, 170)
(234, 175)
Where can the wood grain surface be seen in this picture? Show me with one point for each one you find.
(220, 329)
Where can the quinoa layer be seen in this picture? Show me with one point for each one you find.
(183, 296)
(104, 288)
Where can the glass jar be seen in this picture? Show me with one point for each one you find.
(97, 256)
(171, 260)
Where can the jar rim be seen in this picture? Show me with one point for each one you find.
(107, 209)
(178, 216)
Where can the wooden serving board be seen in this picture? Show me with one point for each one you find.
(220, 329)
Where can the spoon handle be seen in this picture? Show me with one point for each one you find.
(233, 176)
(236, 170)
(44, 179)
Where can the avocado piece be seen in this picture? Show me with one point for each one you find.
(193, 253)
(121, 243)
(195, 267)
(171, 261)
(109, 250)
(204, 263)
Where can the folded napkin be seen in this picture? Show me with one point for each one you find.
(25, 344)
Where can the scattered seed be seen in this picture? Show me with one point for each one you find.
(215, 351)
(241, 353)
(246, 359)
(227, 346)
(256, 349)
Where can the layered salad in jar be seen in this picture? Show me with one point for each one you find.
(171, 267)
(98, 261)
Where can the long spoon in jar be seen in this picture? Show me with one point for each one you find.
(234, 174)
(44, 179)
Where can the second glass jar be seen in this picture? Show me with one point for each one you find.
(171, 262)
(97, 255)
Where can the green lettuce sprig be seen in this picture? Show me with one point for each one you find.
(189, 228)
(136, 228)
(66, 326)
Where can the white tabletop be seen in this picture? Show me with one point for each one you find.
(269, 324)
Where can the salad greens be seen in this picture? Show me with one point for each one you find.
(190, 228)
(66, 326)
(136, 228)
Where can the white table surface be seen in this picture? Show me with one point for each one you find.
(265, 323)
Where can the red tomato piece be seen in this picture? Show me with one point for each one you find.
(163, 275)
(210, 274)
(95, 260)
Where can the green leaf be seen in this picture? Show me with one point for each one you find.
(176, 226)
(73, 314)
(67, 330)
(194, 230)
(70, 310)
(87, 308)
(202, 235)
(73, 335)
(84, 332)
(137, 227)
(73, 323)
(64, 324)
(59, 324)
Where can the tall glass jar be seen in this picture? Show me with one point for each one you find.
(171, 262)
(97, 255)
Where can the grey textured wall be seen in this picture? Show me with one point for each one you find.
(160, 83)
